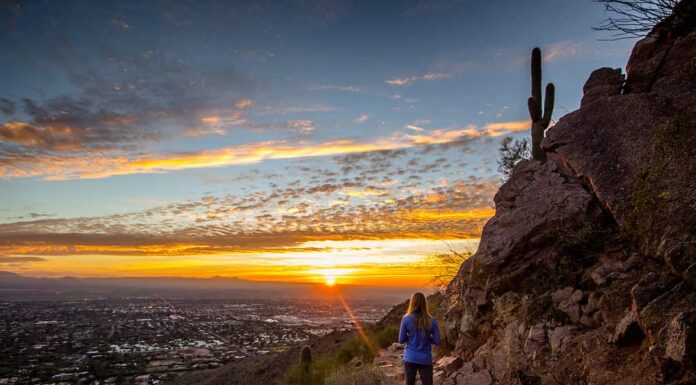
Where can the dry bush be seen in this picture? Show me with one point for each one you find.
(366, 375)
(447, 266)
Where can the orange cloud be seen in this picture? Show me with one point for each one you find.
(244, 103)
(449, 215)
(501, 128)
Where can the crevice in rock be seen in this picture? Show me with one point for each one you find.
(660, 65)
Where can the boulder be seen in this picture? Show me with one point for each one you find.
(395, 347)
(533, 209)
(627, 332)
(559, 336)
(660, 61)
(665, 309)
(536, 339)
(449, 364)
(568, 300)
(680, 338)
(602, 83)
(601, 143)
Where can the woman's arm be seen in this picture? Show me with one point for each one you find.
(436, 333)
(403, 335)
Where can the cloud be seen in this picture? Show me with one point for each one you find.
(442, 136)
(355, 89)
(501, 128)
(400, 81)
(57, 168)
(204, 131)
(436, 76)
(7, 107)
(303, 126)
(407, 81)
(362, 118)
(562, 50)
(5, 259)
(414, 128)
(260, 223)
(244, 103)
(103, 164)
(64, 124)
(288, 110)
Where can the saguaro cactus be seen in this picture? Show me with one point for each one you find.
(306, 357)
(540, 119)
(305, 375)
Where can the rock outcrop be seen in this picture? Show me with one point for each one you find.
(587, 272)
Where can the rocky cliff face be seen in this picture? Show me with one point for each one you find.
(587, 272)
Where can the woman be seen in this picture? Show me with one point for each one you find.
(418, 331)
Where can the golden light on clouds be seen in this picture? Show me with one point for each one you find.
(429, 215)
(273, 150)
(393, 262)
(502, 128)
(107, 164)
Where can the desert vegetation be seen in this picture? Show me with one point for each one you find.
(352, 362)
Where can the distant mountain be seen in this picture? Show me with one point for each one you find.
(7, 275)
(17, 287)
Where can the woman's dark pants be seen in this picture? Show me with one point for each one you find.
(425, 371)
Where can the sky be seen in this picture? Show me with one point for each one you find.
(288, 140)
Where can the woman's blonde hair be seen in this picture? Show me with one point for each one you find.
(419, 307)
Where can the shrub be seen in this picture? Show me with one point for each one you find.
(355, 347)
(366, 375)
(386, 336)
(511, 153)
(318, 370)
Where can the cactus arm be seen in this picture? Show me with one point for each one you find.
(536, 74)
(548, 105)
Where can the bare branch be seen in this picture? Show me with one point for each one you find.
(633, 18)
(448, 265)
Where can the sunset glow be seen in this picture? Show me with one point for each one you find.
(267, 143)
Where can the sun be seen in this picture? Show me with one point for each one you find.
(331, 276)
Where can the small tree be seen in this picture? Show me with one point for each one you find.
(512, 151)
(634, 18)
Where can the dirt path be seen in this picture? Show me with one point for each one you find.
(390, 362)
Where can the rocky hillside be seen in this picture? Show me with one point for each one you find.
(586, 273)
(269, 368)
